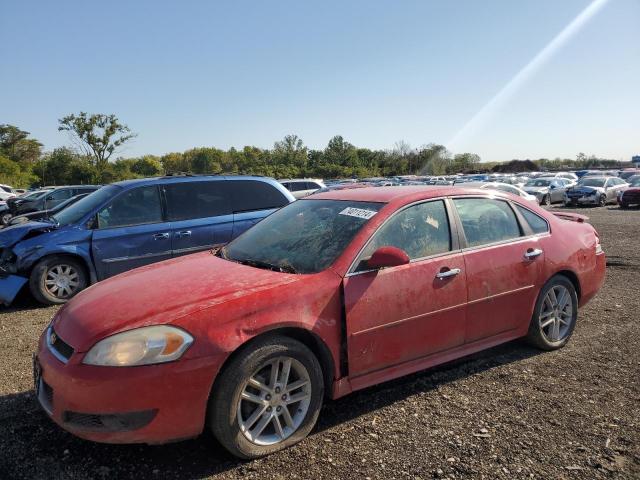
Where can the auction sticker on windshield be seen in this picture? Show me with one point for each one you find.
(358, 212)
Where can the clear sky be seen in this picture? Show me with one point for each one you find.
(202, 73)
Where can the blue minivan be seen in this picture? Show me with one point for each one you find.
(127, 225)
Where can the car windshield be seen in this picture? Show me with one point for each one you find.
(304, 237)
(78, 210)
(592, 182)
(538, 183)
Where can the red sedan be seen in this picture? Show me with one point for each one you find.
(330, 294)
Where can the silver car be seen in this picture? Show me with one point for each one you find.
(595, 191)
(547, 190)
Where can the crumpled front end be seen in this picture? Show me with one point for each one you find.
(10, 284)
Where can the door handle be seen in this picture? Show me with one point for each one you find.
(160, 236)
(452, 272)
(183, 233)
(532, 253)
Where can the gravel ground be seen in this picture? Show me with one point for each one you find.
(510, 412)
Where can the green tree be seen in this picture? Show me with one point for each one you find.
(97, 135)
(147, 166)
(15, 145)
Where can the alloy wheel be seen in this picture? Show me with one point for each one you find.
(556, 314)
(62, 280)
(274, 401)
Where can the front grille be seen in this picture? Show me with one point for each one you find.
(59, 346)
(631, 196)
(108, 422)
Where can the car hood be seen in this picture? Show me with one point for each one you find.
(535, 190)
(11, 235)
(584, 189)
(159, 294)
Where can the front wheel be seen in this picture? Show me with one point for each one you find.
(266, 399)
(555, 314)
(602, 201)
(56, 279)
(546, 200)
(5, 218)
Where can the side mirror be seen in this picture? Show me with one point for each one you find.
(552, 187)
(387, 257)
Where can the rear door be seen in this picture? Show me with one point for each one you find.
(252, 201)
(131, 232)
(398, 314)
(503, 263)
(200, 214)
(56, 197)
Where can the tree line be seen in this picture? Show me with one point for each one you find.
(96, 138)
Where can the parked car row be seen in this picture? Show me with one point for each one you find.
(126, 225)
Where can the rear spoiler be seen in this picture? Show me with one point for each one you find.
(572, 217)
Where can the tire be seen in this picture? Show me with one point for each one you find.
(602, 201)
(69, 275)
(624, 206)
(547, 337)
(228, 408)
(546, 200)
(5, 218)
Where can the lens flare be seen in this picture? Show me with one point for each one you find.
(512, 86)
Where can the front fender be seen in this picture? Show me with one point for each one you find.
(74, 241)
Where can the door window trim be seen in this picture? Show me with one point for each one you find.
(454, 236)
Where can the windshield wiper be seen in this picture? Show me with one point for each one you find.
(266, 265)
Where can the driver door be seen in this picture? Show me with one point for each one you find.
(402, 313)
(131, 232)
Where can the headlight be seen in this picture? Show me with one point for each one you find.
(141, 346)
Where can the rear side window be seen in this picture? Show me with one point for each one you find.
(59, 194)
(134, 207)
(249, 195)
(485, 220)
(197, 200)
(535, 221)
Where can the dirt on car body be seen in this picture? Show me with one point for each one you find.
(509, 412)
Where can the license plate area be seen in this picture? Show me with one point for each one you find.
(44, 393)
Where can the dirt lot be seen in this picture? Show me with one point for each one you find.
(511, 412)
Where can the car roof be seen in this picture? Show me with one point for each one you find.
(392, 194)
(189, 178)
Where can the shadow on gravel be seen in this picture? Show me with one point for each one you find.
(33, 446)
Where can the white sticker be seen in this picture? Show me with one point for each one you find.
(358, 212)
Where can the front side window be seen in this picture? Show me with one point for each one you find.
(250, 195)
(188, 200)
(536, 222)
(420, 230)
(485, 220)
(134, 207)
(306, 236)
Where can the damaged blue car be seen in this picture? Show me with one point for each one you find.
(127, 225)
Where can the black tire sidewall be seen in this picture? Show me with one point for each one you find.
(38, 275)
(546, 200)
(535, 335)
(223, 403)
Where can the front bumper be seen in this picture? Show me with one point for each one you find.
(582, 200)
(145, 404)
(10, 285)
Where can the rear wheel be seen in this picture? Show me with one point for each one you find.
(56, 279)
(554, 317)
(267, 399)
